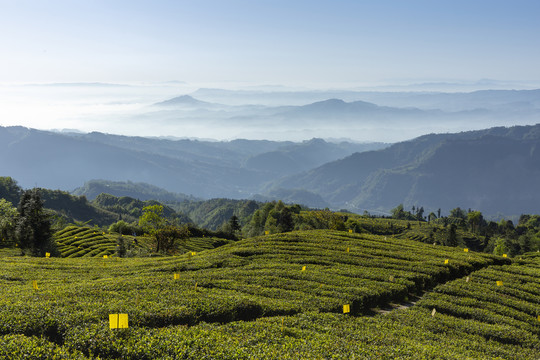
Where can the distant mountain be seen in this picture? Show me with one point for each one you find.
(425, 100)
(186, 101)
(360, 115)
(66, 161)
(339, 108)
(204, 169)
(495, 171)
(306, 155)
(294, 196)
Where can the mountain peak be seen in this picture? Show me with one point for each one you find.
(183, 100)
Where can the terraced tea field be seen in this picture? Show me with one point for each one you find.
(277, 296)
(75, 241)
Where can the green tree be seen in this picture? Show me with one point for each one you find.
(9, 190)
(8, 221)
(235, 225)
(474, 218)
(152, 219)
(397, 212)
(165, 234)
(168, 236)
(400, 214)
(458, 213)
(451, 239)
(33, 230)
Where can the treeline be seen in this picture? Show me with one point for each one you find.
(236, 219)
(497, 237)
(28, 226)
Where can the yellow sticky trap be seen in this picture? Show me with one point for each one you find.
(105, 256)
(304, 268)
(446, 261)
(283, 320)
(466, 250)
(499, 283)
(347, 249)
(433, 312)
(467, 279)
(34, 285)
(266, 232)
(196, 286)
(47, 255)
(504, 255)
(350, 230)
(176, 276)
(346, 308)
(118, 321)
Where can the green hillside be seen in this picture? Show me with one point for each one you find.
(74, 241)
(293, 285)
(476, 168)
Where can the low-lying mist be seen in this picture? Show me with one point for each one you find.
(363, 116)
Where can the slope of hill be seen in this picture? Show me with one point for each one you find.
(201, 168)
(294, 286)
(141, 191)
(306, 155)
(493, 170)
(75, 241)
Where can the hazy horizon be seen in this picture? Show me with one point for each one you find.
(100, 65)
(127, 109)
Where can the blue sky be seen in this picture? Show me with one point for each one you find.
(269, 42)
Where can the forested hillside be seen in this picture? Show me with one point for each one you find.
(495, 171)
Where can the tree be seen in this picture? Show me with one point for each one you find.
(152, 219)
(475, 219)
(458, 213)
(8, 221)
(165, 234)
(167, 237)
(9, 190)
(451, 239)
(400, 214)
(33, 230)
(397, 212)
(420, 213)
(234, 224)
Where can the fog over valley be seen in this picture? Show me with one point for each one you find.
(181, 110)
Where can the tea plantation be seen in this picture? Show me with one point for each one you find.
(75, 241)
(278, 296)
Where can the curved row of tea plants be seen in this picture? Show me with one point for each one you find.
(502, 332)
(249, 279)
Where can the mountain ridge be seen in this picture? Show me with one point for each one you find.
(473, 169)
